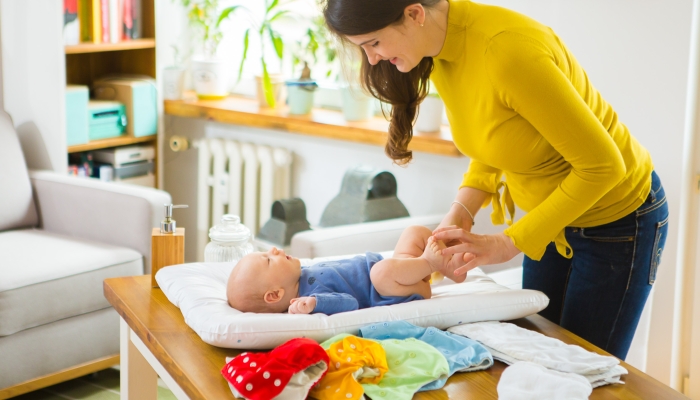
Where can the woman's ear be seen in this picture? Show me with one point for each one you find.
(415, 13)
(274, 296)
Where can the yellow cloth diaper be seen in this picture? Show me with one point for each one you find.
(353, 361)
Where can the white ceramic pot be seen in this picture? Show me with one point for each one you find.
(278, 90)
(173, 83)
(429, 115)
(357, 106)
(211, 78)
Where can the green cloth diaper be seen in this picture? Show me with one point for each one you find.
(412, 364)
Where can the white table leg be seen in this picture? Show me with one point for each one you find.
(138, 379)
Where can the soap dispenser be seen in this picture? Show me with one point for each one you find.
(167, 243)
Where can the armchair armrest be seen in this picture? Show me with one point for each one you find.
(121, 215)
(356, 238)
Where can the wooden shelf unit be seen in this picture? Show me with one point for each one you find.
(88, 62)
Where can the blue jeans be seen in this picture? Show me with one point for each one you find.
(599, 294)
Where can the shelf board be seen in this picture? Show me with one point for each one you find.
(112, 142)
(100, 47)
(321, 122)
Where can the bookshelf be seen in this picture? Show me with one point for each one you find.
(88, 62)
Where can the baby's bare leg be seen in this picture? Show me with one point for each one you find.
(406, 272)
(401, 277)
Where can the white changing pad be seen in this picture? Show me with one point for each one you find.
(199, 290)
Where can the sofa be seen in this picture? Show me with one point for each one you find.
(60, 237)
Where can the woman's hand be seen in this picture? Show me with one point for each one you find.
(479, 249)
(302, 305)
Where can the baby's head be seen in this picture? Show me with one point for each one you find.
(264, 282)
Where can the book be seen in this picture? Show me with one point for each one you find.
(127, 19)
(84, 18)
(71, 22)
(96, 21)
(104, 8)
(114, 25)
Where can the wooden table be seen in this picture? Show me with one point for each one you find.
(155, 339)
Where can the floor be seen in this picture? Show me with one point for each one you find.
(102, 385)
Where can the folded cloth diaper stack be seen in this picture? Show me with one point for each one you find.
(462, 354)
(525, 380)
(510, 343)
(286, 373)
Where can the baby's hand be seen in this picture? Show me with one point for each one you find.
(302, 305)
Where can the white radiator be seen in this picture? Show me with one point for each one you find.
(238, 178)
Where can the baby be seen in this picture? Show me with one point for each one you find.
(274, 282)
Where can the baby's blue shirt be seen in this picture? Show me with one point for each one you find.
(344, 285)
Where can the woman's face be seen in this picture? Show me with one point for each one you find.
(400, 44)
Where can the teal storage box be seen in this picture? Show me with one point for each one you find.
(107, 119)
(77, 98)
(139, 96)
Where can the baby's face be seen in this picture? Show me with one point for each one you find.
(275, 267)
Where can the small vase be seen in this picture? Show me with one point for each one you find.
(211, 78)
(277, 90)
(300, 96)
(429, 115)
(357, 106)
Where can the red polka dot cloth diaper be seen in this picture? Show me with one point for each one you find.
(287, 372)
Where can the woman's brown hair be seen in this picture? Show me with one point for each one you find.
(404, 91)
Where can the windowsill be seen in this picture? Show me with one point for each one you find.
(321, 122)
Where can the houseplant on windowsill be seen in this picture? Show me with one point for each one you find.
(210, 75)
(304, 52)
(270, 86)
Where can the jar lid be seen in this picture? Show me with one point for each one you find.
(230, 230)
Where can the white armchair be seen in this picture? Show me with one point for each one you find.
(60, 237)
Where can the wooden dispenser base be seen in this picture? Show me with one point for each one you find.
(166, 249)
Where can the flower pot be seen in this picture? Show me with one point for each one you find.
(300, 96)
(357, 106)
(211, 78)
(173, 83)
(429, 115)
(277, 89)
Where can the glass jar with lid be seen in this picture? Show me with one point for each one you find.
(230, 241)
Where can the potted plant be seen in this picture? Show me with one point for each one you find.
(430, 113)
(210, 75)
(270, 87)
(304, 52)
(356, 104)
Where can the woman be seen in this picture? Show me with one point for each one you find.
(522, 108)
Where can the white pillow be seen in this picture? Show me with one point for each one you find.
(199, 290)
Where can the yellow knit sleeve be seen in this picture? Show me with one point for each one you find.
(527, 78)
(483, 177)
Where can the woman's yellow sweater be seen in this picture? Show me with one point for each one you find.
(520, 105)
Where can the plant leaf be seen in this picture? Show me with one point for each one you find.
(276, 42)
(245, 54)
(225, 13)
(279, 15)
(273, 5)
(267, 86)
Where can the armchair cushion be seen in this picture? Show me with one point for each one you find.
(16, 204)
(41, 268)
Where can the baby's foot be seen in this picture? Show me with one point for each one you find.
(456, 261)
(433, 255)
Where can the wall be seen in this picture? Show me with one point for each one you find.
(34, 77)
